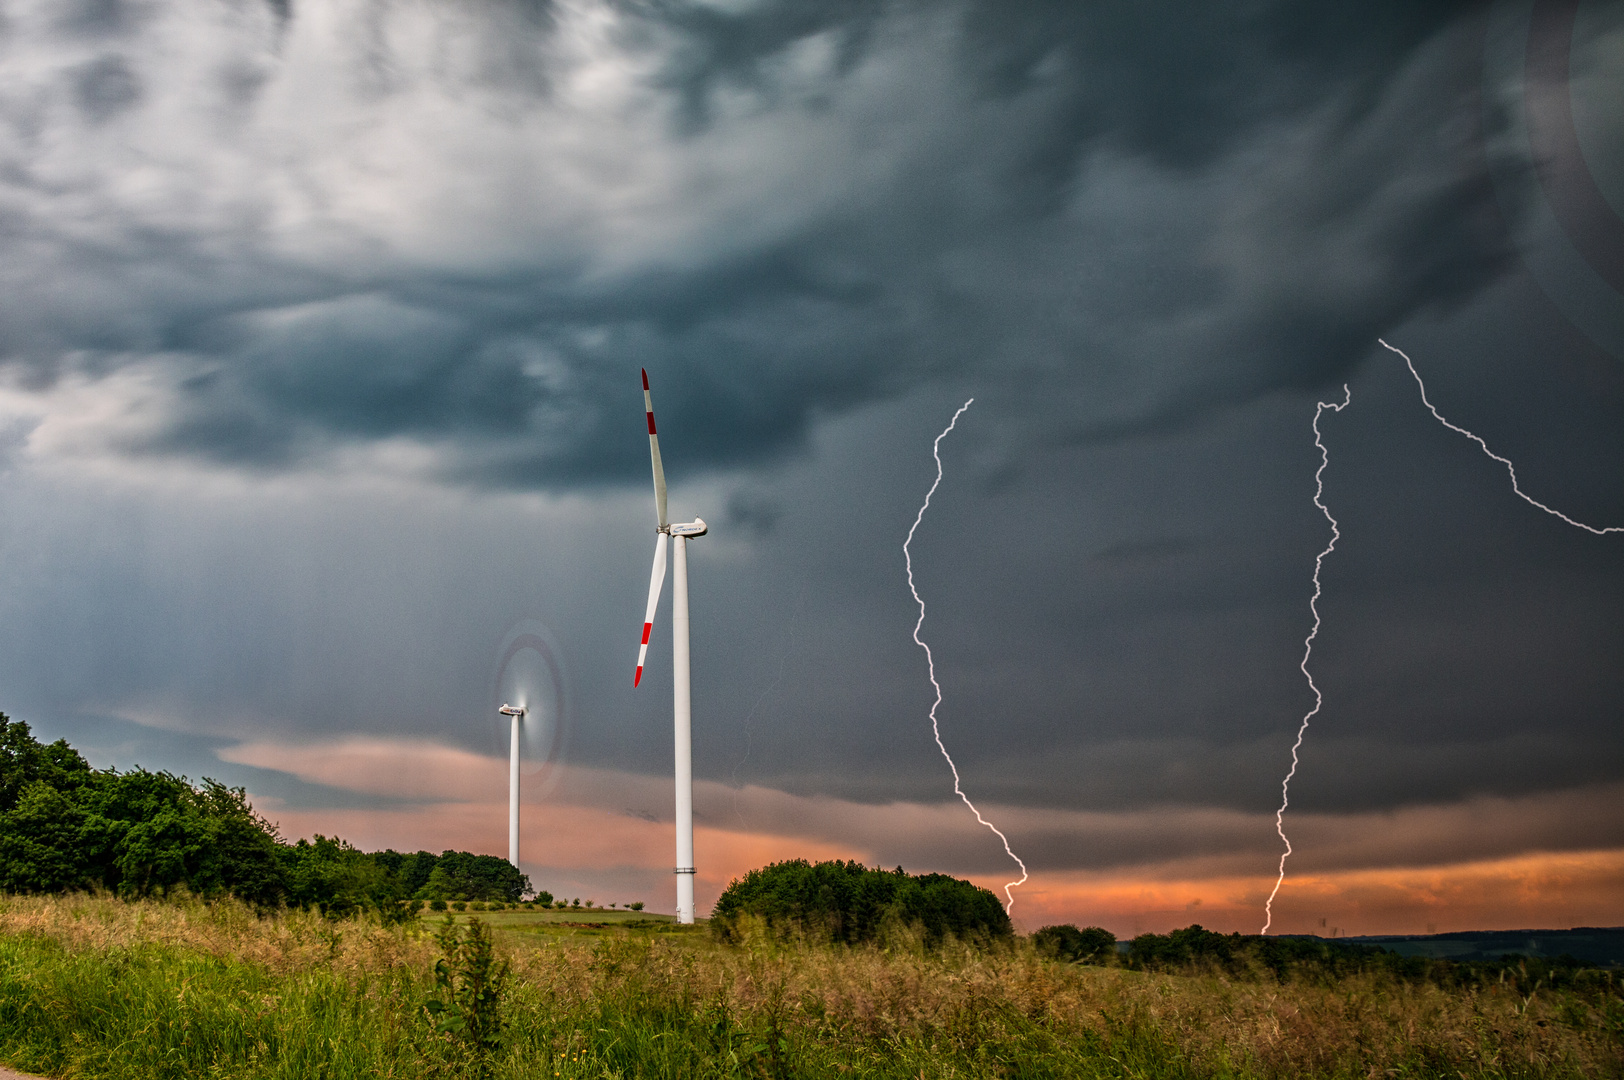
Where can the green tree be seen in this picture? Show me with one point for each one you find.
(146, 833)
(39, 843)
(847, 901)
(1093, 945)
(460, 875)
(24, 761)
(410, 871)
(64, 825)
(331, 875)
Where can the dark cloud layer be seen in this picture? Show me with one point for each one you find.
(1324, 169)
(319, 340)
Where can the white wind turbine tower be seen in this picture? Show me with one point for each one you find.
(679, 662)
(517, 712)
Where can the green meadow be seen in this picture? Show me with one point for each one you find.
(149, 989)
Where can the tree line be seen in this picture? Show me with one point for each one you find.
(65, 826)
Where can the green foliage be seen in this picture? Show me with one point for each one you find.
(1194, 949)
(137, 833)
(469, 980)
(165, 1013)
(1196, 946)
(151, 1006)
(25, 761)
(1065, 942)
(636, 905)
(38, 839)
(65, 826)
(847, 902)
(411, 871)
(457, 875)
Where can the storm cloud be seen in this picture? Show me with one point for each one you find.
(320, 328)
(273, 233)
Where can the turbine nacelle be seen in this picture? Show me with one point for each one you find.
(511, 710)
(690, 529)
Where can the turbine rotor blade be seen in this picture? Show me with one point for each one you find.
(656, 580)
(654, 453)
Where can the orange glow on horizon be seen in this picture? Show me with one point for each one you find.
(577, 844)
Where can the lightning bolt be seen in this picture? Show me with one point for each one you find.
(935, 451)
(1511, 469)
(1308, 649)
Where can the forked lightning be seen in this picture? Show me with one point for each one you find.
(936, 452)
(1511, 470)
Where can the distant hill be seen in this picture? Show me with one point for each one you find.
(1600, 945)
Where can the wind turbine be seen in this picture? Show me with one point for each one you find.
(517, 712)
(679, 661)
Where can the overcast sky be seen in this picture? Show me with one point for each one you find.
(320, 329)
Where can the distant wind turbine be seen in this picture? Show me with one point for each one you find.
(679, 661)
(517, 712)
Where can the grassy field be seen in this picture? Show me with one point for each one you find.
(92, 987)
(577, 918)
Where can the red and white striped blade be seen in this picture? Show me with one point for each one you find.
(654, 453)
(655, 581)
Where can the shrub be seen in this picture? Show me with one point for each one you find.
(458, 905)
(1196, 947)
(436, 905)
(1066, 942)
(398, 913)
(469, 981)
(847, 902)
(636, 905)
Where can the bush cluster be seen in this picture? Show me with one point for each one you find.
(1284, 958)
(848, 902)
(65, 826)
(1066, 942)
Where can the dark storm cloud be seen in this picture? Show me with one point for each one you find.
(331, 253)
(1177, 81)
(106, 87)
(1158, 210)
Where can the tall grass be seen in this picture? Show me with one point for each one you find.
(93, 987)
